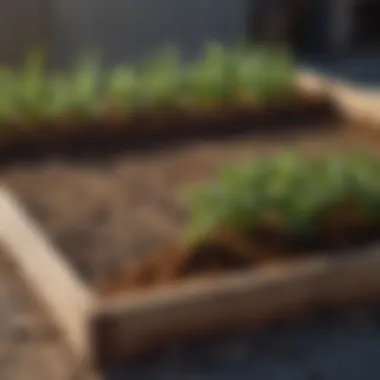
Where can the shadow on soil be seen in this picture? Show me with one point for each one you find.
(100, 144)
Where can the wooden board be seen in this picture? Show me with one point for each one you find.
(66, 299)
(131, 324)
(356, 104)
(105, 330)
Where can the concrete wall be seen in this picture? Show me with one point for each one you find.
(23, 24)
(129, 29)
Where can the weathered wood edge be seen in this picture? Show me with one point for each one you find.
(46, 273)
(110, 329)
(354, 103)
(131, 324)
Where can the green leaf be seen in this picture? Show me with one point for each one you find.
(85, 85)
(122, 87)
(161, 79)
(299, 190)
(30, 87)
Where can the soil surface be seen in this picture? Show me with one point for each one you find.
(30, 349)
(104, 210)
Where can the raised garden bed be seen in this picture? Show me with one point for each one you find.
(274, 209)
(109, 260)
(224, 91)
(106, 212)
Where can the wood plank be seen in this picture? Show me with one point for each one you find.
(131, 324)
(54, 283)
(354, 103)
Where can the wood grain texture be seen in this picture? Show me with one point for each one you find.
(30, 347)
(109, 329)
(356, 104)
(134, 323)
(66, 299)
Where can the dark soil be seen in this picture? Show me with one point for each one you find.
(152, 129)
(106, 210)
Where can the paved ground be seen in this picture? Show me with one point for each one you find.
(343, 347)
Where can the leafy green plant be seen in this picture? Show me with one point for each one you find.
(279, 73)
(59, 101)
(8, 106)
(30, 88)
(121, 88)
(220, 76)
(250, 77)
(161, 80)
(84, 86)
(262, 74)
(207, 80)
(290, 195)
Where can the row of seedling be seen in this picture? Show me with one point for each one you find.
(271, 209)
(291, 199)
(220, 76)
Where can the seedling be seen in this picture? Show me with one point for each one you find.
(289, 195)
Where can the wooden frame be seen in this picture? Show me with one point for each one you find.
(103, 331)
(352, 103)
(52, 280)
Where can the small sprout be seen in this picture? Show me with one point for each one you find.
(219, 77)
(290, 194)
(161, 80)
(59, 99)
(206, 80)
(8, 101)
(85, 85)
(121, 88)
(30, 92)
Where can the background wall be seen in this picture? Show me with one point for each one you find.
(23, 24)
(128, 29)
